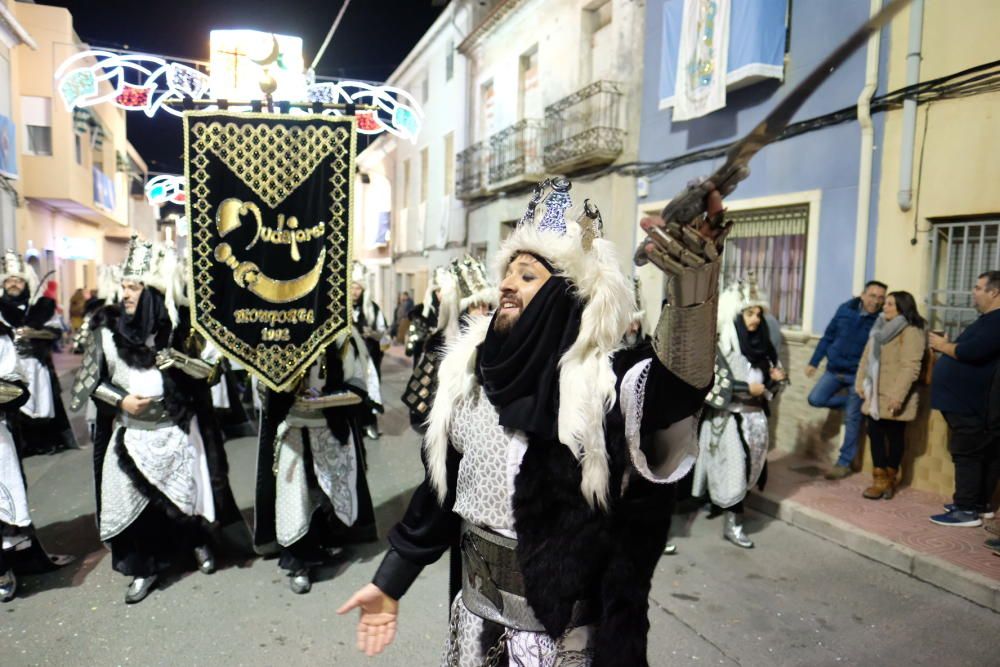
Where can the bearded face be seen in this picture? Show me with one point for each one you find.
(14, 286)
(525, 276)
(131, 291)
(357, 291)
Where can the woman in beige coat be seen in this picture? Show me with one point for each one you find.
(886, 380)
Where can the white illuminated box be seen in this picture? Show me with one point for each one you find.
(242, 58)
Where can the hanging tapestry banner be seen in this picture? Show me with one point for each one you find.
(702, 59)
(269, 205)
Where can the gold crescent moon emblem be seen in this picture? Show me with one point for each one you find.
(247, 274)
(271, 57)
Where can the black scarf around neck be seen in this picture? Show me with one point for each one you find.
(150, 319)
(756, 345)
(14, 308)
(519, 370)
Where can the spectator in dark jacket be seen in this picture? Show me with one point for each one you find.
(842, 345)
(963, 390)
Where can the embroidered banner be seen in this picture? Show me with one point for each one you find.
(701, 62)
(269, 205)
(756, 44)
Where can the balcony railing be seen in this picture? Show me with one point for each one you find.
(470, 171)
(585, 129)
(516, 153)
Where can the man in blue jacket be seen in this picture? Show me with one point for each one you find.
(964, 390)
(842, 345)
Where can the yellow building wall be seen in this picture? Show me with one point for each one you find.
(59, 176)
(48, 182)
(957, 142)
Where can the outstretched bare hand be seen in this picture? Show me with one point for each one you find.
(377, 620)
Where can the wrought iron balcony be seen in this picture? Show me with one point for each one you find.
(585, 129)
(470, 172)
(516, 154)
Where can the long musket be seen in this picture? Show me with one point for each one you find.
(689, 205)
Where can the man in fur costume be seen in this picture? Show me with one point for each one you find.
(551, 452)
(734, 433)
(20, 550)
(44, 425)
(312, 491)
(155, 500)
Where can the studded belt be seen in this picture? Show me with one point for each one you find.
(493, 586)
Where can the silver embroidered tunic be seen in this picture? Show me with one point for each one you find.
(169, 458)
(335, 464)
(721, 469)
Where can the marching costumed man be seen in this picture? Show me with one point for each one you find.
(734, 435)
(312, 492)
(20, 550)
(464, 290)
(201, 367)
(367, 318)
(155, 501)
(424, 316)
(44, 426)
(551, 453)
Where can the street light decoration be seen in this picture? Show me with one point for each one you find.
(165, 189)
(97, 77)
(243, 65)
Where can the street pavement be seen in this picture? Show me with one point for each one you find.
(795, 599)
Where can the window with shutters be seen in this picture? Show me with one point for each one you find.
(960, 252)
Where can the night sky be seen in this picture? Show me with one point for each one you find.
(372, 39)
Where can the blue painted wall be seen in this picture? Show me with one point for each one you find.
(825, 159)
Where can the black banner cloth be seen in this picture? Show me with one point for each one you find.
(269, 206)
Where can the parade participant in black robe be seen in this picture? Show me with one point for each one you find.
(44, 426)
(156, 500)
(20, 551)
(312, 489)
(368, 321)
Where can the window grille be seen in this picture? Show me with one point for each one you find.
(771, 243)
(960, 251)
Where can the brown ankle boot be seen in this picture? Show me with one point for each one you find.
(892, 482)
(879, 485)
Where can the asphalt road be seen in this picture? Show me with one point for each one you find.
(795, 599)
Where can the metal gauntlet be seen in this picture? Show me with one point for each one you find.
(684, 340)
(196, 368)
(108, 393)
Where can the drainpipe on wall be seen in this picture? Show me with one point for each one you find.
(867, 155)
(905, 195)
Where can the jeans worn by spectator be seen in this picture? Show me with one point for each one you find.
(836, 391)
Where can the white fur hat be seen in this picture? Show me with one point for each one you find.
(14, 266)
(734, 300)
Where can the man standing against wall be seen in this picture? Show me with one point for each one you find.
(842, 344)
(963, 390)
